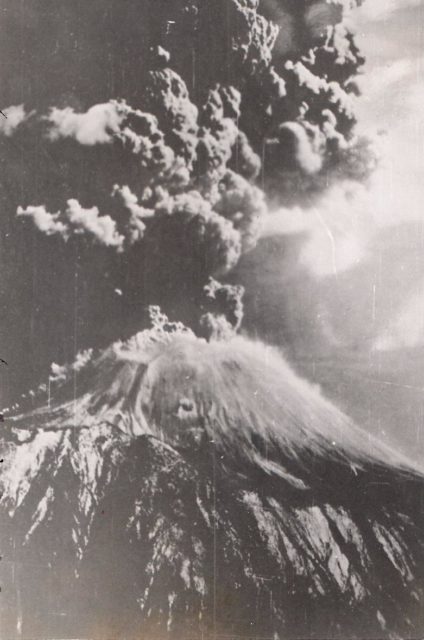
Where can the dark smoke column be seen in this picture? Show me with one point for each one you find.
(237, 105)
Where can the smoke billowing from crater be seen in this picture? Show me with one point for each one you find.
(182, 170)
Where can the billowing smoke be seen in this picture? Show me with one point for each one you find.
(239, 107)
(223, 306)
(75, 221)
(96, 126)
(190, 208)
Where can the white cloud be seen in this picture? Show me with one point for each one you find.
(95, 126)
(59, 373)
(384, 77)
(383, 9)
(338, 228)
(102, 228)
(75, 221)
(137, 213)
(328, 252)
(15, 115)
(48, 223)
(407, 329)
(308, 158)
(415, 101)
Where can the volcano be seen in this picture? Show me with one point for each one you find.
(171, 487)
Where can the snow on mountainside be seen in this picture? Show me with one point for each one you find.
(174, 488)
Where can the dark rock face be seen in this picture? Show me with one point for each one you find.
(107, 534)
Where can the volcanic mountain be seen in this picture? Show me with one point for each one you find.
(172, 487)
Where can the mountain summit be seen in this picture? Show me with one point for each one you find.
(177, 488)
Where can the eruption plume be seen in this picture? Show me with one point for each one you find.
(188, 465)
(189, 169)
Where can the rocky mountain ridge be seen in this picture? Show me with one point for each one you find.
(202, 490)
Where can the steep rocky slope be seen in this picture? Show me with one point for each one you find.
(174, 488)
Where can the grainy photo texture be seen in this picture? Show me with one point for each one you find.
(212, 321)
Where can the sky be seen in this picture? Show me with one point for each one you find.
(397, 80)
(348, 222)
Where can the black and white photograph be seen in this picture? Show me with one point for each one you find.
(212, 319)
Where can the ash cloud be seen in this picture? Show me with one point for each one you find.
(186, 213)
(223, 306)
(175, 173)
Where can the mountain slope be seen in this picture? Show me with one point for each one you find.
(200, 490)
